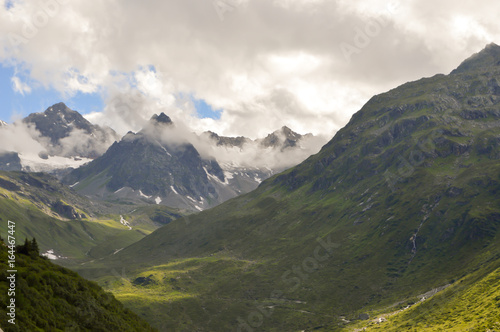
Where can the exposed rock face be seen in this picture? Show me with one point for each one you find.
(66, 211)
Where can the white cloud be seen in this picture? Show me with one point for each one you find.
(19, 86)
(265, 64)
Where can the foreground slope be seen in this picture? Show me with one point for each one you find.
(402, 200)
(52, 298)
(471, 304)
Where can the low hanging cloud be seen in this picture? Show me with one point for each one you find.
(18, 137)
(306, 64)
(23, 138)
(251, 154)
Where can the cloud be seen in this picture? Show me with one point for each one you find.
(18, 137)
(19, 86)
(264, 63)
(28, 141)
(251, 154)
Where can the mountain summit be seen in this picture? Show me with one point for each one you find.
(489, 57)
(58, 121)
(161, 119)
(282, 139)
(70, 134)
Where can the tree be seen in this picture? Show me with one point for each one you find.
(29, 248)
(34, 247)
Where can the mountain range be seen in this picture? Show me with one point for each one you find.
(147, 166)
(155, 165)
(400, 205)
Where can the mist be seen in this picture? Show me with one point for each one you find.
(251, 154)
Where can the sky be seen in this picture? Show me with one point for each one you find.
(235, 67)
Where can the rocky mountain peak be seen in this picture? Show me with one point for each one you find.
(58, 122)
(289, 134)
(161, 119)
(485, 59)
(283, 138)
(58, 108)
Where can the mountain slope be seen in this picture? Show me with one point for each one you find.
(402, 200)
(52, 298)
(67, 226)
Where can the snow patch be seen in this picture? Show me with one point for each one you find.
(51, 255)
(119, 190)
(158, 200)
(198, 208)
(125, 223)
(164, 148)
(142, 195)
(74, 184)
(173, 189)
(33, 163)
(213, 177)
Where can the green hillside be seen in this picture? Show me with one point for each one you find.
(403, 200)
(71, 225)
(51, 298)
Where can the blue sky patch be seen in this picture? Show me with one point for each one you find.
(205, 110)
(38, 99)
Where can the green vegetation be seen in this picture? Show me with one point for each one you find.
(71, 225)
(52, 298)
(403, 200)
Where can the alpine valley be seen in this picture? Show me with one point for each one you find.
(393, 226)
